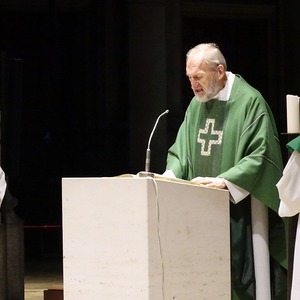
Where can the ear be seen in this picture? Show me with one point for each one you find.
(221, 71)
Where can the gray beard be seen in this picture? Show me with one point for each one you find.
(202, 99)
(205, 98)
(213, 91)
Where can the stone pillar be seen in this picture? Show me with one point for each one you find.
(12, 238)
(11, 226)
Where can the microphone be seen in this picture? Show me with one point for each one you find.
(148, 151)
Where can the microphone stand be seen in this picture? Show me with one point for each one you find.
(147, 172)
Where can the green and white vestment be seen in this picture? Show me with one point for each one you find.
(236, 140)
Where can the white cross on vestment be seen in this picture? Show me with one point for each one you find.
(203, 138)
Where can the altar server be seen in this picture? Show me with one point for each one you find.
(289, 192)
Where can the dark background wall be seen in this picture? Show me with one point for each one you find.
(82, 83)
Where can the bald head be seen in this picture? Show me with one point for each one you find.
(209, 53)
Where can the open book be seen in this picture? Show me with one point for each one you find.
(161, 177)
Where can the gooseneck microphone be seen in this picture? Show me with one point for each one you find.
(148, 151)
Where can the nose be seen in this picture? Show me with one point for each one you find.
(194, 83)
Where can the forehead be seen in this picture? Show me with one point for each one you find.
(196, 64)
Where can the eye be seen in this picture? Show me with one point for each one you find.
(195, 77)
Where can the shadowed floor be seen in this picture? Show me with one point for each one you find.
(42, 274)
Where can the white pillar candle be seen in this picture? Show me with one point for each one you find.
(292, 114)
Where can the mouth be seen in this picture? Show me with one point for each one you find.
(199, 91)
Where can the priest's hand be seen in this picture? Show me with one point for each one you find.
(168, 173)
(213, 182)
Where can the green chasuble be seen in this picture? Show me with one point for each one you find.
(237, 140)
(294, 145)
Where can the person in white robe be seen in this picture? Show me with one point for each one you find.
(3, 185)
(289, 193)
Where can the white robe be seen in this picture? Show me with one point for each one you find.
(289, 193)
(2, 185)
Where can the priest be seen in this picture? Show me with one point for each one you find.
(228, 139)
